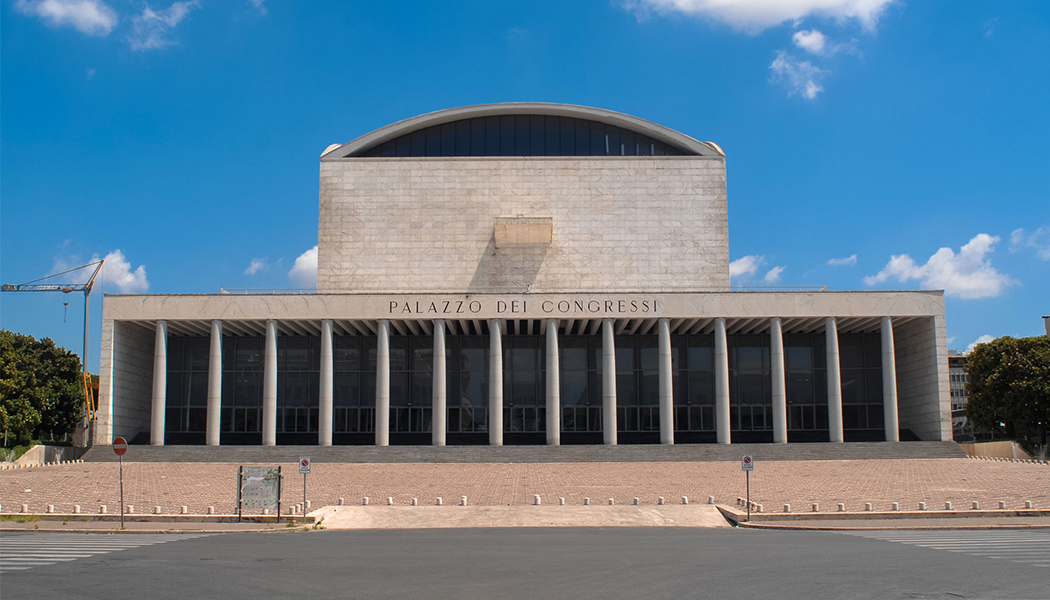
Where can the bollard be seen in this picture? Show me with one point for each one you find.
(710, 499)
(536, 500)
(976, 505)
(947, 505)
(660, 500)
(211, 510)
(131, 509)
(364, 501)
(610, 501)
(439, 501)
(1028, 505)
(340, 501)
(816, 507)
(586, 501)
(1002, 505)
(185, 510)
(636, 501)
(76, 509)
(759, 508)
(463, 500)
(50, 508)
(156, 510)
(102, 509)
(308, 504)
(896, 506)
(415, 501)
(867, 506)
(389, 500)
(266, 512)
(787, 508)
(842, 507)
(685, 499)
(561, 501)
(922, 506)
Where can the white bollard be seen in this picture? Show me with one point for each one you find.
(685, 499)
(759, 508)
(211, 510)
(50, 508)
(439, 501)
(341, 501)
(266, 512)
(463, 500)
(415, 501)
(636, 501)
(922, 506)
(364, 501)
(102, 509)
(867, 506)
(156, 510)
(76, 509)
(787, 508)
(896, 506)
(976, 505)
(308, 504)
(185, 510)
(131, 509)
(1028, 504)
(586, 501)
(561, 501)
(842, 507)
(610, 501)
(536, 500)
(816, 507)
(710, 499)
(1002, 505)
(660, 500)
(389, 500)
(947, 505)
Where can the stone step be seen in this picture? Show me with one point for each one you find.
(531, 454)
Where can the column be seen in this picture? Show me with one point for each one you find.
(722, 420)
(779, 387)
(834, 380)
(160, 385)
(608, 383)
(269, 419)
(495, 383)
(383, 384)
(889, 383)
(666, 387)
(553, 385)
(326, 393)
(214, 421)
(440, 390)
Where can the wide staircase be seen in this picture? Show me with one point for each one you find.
(531, 454)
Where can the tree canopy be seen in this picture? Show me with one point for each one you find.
(1009, 387)
(41, 390)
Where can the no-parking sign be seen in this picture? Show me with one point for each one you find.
(746, 463)
(304, 465)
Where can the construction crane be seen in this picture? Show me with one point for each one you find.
(39, 285)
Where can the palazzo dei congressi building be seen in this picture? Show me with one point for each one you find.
(524, 274)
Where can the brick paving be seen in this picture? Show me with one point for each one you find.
(799, 483)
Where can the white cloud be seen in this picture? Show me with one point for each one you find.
(754, 16)
(799, 76)
(968, 274)
(116, 271)
(92, 17)
(1039, 240)
(90, 73)
(260, 5)
(984, 339)
(747, 265)
(811, 41)
(849, 261)
(304, 271)
(154, 29)
(773, 275)
(257, 264)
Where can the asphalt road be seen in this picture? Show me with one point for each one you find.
(647, 563)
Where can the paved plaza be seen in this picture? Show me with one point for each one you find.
(774, 483)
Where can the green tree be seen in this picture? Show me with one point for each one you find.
(41, 390)
(1009, 388)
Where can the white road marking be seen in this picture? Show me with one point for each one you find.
(19, 552)
(1027, 547)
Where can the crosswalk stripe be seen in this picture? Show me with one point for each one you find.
(1027, 547)
(19, 552)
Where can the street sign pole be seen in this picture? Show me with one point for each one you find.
(747, 464)
(304, 468)
(748, 496)
(120, 446)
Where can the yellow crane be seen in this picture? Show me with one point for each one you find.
(42, 285)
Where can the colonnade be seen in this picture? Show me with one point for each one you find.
(553, 387)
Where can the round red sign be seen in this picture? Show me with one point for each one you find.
(120, 446)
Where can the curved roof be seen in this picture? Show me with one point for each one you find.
(673, 138)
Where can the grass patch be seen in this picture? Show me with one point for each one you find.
(21, 518)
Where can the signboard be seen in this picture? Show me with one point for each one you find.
(260, 487)
(120, 446)
(747, 464)
(304, 465)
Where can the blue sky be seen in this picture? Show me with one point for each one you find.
(907, 143)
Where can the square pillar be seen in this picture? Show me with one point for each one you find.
(214, 419)
(834, 380)
(160, 385)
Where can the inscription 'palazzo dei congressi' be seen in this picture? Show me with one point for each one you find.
(523, 273)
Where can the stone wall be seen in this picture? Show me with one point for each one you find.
(618, 223)
(924, 405)
(126, 385)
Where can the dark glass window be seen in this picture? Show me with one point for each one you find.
(187, 384)
(522, 135)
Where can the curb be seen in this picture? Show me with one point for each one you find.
(12, 466)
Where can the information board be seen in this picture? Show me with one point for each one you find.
(260, 487)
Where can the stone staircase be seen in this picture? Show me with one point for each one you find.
(531, 454)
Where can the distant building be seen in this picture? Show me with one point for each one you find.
(962, 429)
(1046, 324)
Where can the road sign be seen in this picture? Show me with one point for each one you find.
(304, 465)
(120, 446)
(746, 463)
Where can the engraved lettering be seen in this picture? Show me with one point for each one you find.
(475, 306)
(634, 306)
(594, 303)
(547, 306)
(566, 307)
(433, 308)
(459, 307)
(393, 305)
(608, 306)
(501, 306)
(445, 308)
(621, 305)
